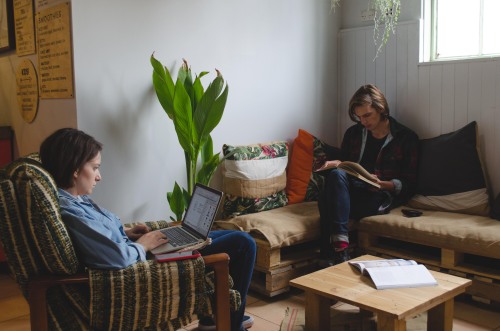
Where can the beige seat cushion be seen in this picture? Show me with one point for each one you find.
(461, 232)
(281, 227)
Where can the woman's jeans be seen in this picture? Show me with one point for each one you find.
(345, 197)
(241, 248)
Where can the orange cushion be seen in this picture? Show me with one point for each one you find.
(300, 167)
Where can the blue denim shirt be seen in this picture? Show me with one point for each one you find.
(98, 235)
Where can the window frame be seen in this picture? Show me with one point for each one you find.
(428, 40)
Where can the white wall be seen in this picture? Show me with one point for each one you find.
(279, 58)
(431, 98)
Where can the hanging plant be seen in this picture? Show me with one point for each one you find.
(386, 14)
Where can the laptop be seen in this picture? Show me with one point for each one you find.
(197, 223)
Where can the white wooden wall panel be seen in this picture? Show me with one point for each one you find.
(432, 99)
(360, 57)
(435, 104)
(390, 76)
(461, 86)
(494, 174)
(413, 51)
(371, 74)
(380, 70)
(487, 123)
(474, 91)
(401, 107)
(447, 98)
(423, 105)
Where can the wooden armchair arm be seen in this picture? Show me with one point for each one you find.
(220, 264)
(37, 299)
(38, 287)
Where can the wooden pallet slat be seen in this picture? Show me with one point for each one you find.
(275, 267)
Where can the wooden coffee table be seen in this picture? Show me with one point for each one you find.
(392, 306)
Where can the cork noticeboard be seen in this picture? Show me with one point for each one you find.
(55, 60)
(27, 90)
(25, 27)
(7, 38)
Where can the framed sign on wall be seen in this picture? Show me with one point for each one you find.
(7, 37)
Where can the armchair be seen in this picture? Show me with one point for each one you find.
(64, 295)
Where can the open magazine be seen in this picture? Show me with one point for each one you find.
(394, 273)
(354, 169)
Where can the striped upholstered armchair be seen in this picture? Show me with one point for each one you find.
(64, 295)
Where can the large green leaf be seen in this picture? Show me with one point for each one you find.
(184, 72)
(207, 149)
(177, 202)
(208, 169)
(210, 165)
(164, 86)
(187, 80)
(198, 87)
(210, 109)
(183, 120)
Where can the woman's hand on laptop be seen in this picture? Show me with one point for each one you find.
(152, 240)
(137, 231)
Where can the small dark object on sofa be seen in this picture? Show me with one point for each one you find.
(411, 212)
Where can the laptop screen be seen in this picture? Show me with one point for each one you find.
(202, 209)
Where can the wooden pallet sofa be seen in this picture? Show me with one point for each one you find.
(286, 240)
(460, 244)
(455, 234)
(272, 194)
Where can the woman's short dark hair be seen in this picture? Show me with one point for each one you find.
(368, 95)
(66, 151)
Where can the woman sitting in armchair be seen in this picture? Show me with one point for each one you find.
(73, 158)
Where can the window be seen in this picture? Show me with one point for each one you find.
(458, 29)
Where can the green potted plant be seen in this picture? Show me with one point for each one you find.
(195, 112)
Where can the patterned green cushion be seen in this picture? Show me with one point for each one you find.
(254, 178)
(38, 204)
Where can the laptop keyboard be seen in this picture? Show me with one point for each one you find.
(178, 237)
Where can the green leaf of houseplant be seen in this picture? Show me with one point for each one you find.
(208, 169)
(210, 166)
(207, 149)
(198, 89)
(176, 202)
(187, 80)
(183, 120)
(164, 86)
(210, 109)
